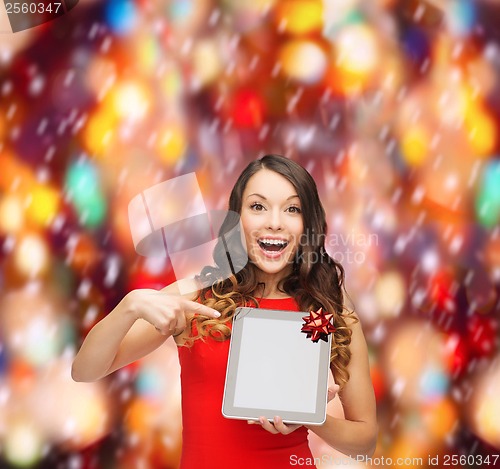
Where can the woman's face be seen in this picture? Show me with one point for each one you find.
(272, 223)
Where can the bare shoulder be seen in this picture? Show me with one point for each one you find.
(357, 395)
(358, 342)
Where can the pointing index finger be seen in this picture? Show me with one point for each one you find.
(201, 309)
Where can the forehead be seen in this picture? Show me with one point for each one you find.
(269, 184)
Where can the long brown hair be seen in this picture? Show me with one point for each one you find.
(316, 280)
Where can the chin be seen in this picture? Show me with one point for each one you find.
(269, 268)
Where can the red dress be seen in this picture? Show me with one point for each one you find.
(211, 441)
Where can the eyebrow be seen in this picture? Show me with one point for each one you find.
(262, 197)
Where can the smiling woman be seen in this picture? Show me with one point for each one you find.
(283, 231)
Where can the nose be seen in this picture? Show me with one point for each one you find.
(274, 221)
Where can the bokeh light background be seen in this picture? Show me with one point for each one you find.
(392, 105)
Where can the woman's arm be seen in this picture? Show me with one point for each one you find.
(139, 324)
(103, 352)
(357, 434)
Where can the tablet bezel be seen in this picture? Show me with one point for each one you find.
(229, 410)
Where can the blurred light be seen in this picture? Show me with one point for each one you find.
(3, 125)
(390, 293)
(155, 273)
(141, 417)
(82, 180)
(357, 51)
(23, 443)
(147, 52)
(434, 384)
(41, 342)
(15, 175)
(452, 100)
(181, 10)
(303, 60)
(149, 383)
(31, 255)
(411, 348)
(482, 76)
(131, 100)
(206, 62)
(488, 196)
(429, 261)
(378, 381)
(492, 257)
(300, 16)
(444, 179)
(33, 339)
(83, 188)
(248, 15)
(43, 205)
(93, 212)
(82, 253)
(415, 145)
(407, 446)
(480, 291)
(440, 286)
(247, 108)
(100, 131)
(171, 144)
(440, 418)
(461, 16)
(457, 355)
(11, 214)
(482, 335)
(416, 45)
(485, 406)
(4, 363)
(22, 375)
(487, 424)
(338, 13)
(172, 84)
(121, 15)
(183, 18)
(357, 57)
(481, 131)
(80, 413)
(100, 75)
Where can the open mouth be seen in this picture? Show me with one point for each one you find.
(273, 245)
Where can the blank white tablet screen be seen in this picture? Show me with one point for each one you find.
(274, 369)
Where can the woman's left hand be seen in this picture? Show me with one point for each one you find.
(277, 426)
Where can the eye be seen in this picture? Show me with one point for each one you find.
(255, 205)
(295, 209)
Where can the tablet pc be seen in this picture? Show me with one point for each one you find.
(275, 369)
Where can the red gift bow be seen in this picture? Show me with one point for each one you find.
(318, 325)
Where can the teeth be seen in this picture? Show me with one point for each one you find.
(273, 241)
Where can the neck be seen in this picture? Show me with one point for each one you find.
(270, 289)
